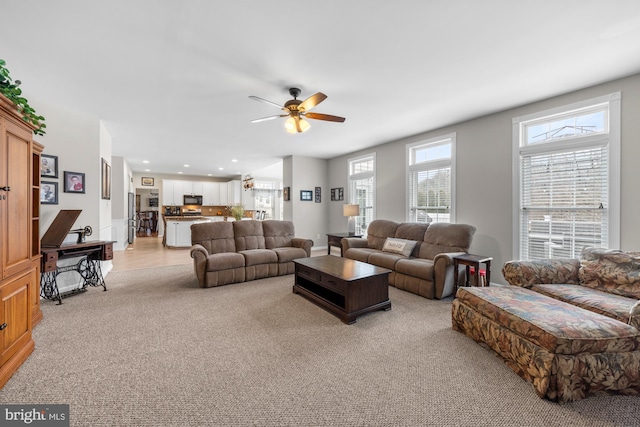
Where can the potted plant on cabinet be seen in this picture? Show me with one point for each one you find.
(236, 211)
(11, 90)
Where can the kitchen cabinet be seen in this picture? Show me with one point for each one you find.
(168, 193)
(178, 233)
(234, 192)
(19, 238)
(211, 194)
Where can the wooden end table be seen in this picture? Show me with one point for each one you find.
(470, 260)
(335, 239)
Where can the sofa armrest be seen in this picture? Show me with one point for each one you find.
(353, 242)
(305, 244)
(443, 274)
(541, 271)
(200, 255)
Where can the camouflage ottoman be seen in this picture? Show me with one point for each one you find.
(565, 351)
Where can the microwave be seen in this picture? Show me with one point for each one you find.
(192, 200)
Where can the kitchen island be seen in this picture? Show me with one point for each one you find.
(177, 228)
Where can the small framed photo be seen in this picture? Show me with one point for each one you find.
(48, 193)
(318, 194)
(286, 194)
(48, 166)
(306, 195)
(106, 180)
(147, 181)
(337, 194)
(73, 182)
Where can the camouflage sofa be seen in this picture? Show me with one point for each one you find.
(570, 327)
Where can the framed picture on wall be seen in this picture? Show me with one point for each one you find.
(306, 195)
(48, 193)
(318, 194)
(73, 182)
(106, 180)
(147, 181)
(48, 166)
(286, 194)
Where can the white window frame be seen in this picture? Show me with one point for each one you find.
(351, 196)
(431, 165)
(576, 142)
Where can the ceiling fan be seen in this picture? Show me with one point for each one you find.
(297, 111)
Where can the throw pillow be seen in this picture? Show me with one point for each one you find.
(399, 246)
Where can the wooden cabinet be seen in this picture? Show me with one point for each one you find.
(19, 238)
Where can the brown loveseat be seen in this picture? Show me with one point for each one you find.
(569, 326)
(232, 252)
(425, 269)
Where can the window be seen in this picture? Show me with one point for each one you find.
(430, 173)
(362, 189)
(265, 196)
(567, 162)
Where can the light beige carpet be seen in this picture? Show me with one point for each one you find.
(155, 350)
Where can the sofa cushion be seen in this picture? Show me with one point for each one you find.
(248, 235)
(360, 254)
(554, 325)
(277, 234)
(258, 256)
(412, 231)
(289, 254)
(378, 232)
(442, 237)
(215, 237)
(384, 259)
(610, 305)
(399, 246)
(224, 261)
(611, 270)
(416, 267)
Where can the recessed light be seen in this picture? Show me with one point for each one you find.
(186, 166)
(220, 169)
(145, 161)
(179, 173)
(147, 170)
(234, 160)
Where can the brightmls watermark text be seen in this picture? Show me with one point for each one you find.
(34, 415)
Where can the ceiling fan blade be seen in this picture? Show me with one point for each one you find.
(257, 98)
(327, 117)
(312, 101)
(264, 119)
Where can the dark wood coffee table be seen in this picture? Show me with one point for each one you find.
(344, 287)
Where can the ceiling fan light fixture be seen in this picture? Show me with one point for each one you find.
(296, 125)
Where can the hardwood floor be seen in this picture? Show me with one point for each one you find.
(148, 252)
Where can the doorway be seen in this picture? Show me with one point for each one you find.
(147, 212)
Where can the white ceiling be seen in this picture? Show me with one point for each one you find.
(171, 79)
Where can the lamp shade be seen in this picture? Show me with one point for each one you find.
(351, 210)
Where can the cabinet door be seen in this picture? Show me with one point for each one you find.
(170, 233)
(184, 234)
(182, 187)
(167, 192)
(15, 312)
(197, 188)
(224, 192)
(234, 192)
(15, 219)
(207, 193)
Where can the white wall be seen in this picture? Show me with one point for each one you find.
(121, 185)
(310, 218)
(484, 176)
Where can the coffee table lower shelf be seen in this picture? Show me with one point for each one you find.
(346, 299)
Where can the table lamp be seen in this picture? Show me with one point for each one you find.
(351, 211)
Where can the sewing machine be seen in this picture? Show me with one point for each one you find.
(82, 233)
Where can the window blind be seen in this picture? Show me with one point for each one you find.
(430, 195)
(564, 202)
